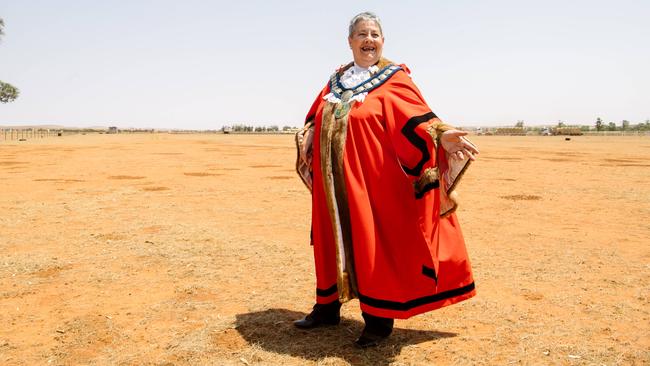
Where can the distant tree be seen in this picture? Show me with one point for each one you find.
(520, 124)
(642, 126)
(611, 126)
(8, 92)
(560, 124)
(599, 124)
(625, 125)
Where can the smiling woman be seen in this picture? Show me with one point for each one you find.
(366, 40)
(382, 168)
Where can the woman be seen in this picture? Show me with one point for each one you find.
(381, 166)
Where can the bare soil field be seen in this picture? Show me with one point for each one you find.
(194, 250)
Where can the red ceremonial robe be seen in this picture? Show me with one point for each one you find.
(406, 258)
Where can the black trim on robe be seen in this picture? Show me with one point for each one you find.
(430, 272)
(409, 132)
(405, 306)
(327, 292)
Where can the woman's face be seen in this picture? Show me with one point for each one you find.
(366, 42)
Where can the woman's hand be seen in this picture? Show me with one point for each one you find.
(457, 146)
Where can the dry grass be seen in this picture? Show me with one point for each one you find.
(116, 256)
(201, 174)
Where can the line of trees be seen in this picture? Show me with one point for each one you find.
(624, 126)
(8, 92)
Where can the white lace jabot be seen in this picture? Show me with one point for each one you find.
(352, 77)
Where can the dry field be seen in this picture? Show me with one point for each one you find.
(193, 250)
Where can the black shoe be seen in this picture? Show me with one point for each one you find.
(322, 314)
(368, 340)
(376, 330)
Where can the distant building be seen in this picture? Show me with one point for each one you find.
(112, 130)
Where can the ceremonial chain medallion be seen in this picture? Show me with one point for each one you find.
(343, 108)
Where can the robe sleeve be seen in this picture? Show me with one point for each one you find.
(304, 139)
(413, 130)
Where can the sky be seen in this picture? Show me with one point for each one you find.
(206, 64)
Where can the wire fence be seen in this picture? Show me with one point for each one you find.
(23, 134)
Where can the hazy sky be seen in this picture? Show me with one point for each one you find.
(204, 64)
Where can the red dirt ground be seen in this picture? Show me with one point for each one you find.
(193, 250)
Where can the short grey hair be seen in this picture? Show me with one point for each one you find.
(366, 15)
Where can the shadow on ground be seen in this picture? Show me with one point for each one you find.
(273, 331)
